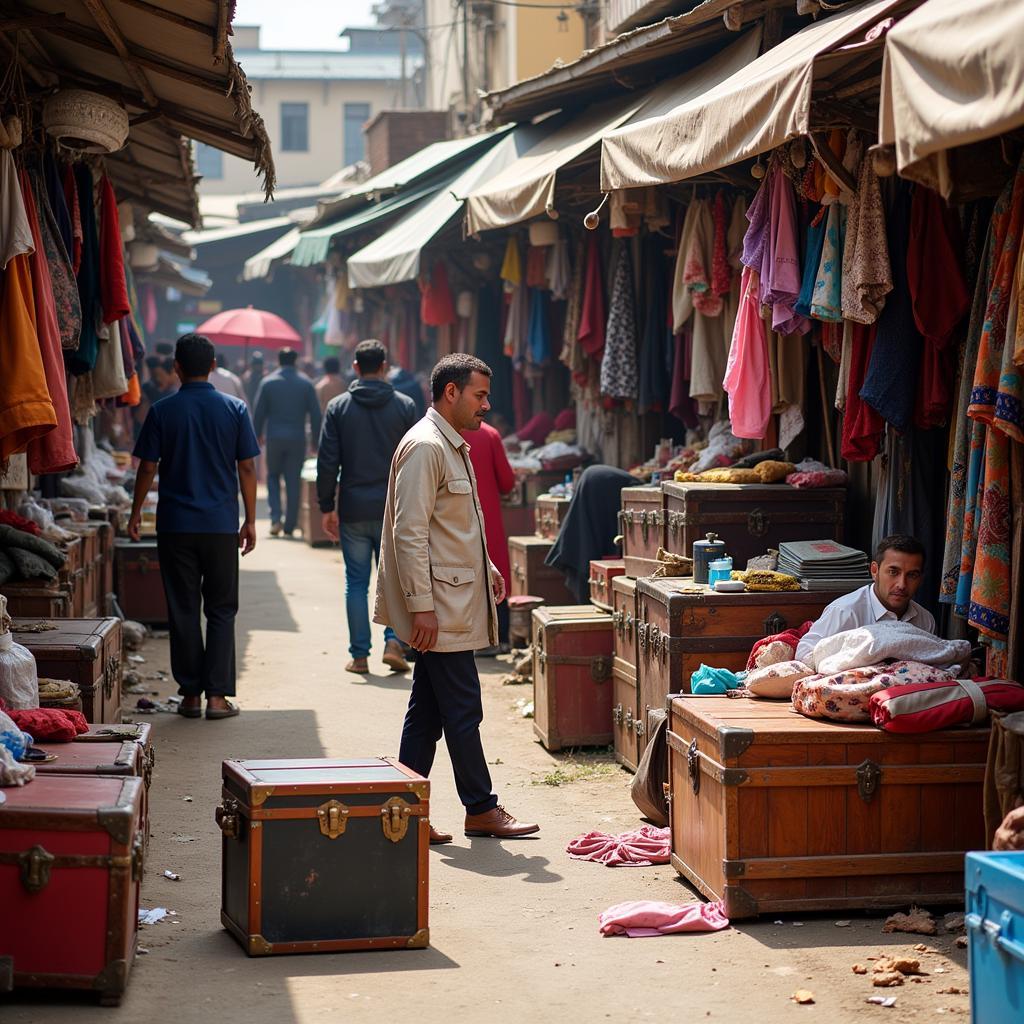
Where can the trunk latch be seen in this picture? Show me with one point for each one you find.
(394, 818)
(35, 868)
(333, 817)
(869, 775)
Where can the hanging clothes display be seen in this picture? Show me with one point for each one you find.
(108, 376)
(538, 335)
(681, 405)
(780, 264)
(826, 297)
(26, 411)
(572, 356)
(54, 451)
(655, 380)
(750, 401)
(57, 203)
(721, 268)
(63, 285)
(113, 287)
(890, 386)
(88, 272)
(557, 270)
(619, 378)
(862, 428)
(698, 260)
(489, 348)
(812, 260)
(867, 273)
(592, 315)
(939, 300)
(437, 306)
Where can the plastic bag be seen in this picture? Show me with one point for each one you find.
(12, 738)
(19, 678)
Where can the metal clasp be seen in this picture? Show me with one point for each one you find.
(775, 623)
(869, 775)
(35, 867)
(628, 718)
(333, 817)
(758, 522)
(638, 726)
(394, 818)
(227, 818)
(617, 714)
(693, 765)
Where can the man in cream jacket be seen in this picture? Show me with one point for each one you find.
(438, 590)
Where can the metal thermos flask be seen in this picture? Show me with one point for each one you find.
(705, 551)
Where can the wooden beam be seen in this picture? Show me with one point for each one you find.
(169, 16)
(220, 41)
(145, 117)
(30, 21)
(109, 28)
(34, 72)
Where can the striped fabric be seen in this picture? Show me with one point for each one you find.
(926, 707)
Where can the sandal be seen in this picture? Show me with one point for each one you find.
(190, 711)
(231, 711)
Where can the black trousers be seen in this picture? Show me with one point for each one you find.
(200, 573)
(284, 459)
(446, 698)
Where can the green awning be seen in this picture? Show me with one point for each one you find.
(313, 246)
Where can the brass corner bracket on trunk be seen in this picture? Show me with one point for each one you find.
(394, 818)
(333, 817)
(258, 946)
(420, 940)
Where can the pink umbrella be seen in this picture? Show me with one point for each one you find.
(249, 326)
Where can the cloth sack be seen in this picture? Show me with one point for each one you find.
(885, 640)
(50, 725)
(12, 738)
(777, 681)
(648, 787)
(12, 773)
(19, 680)
(642, 918)
(846, 696)
(926, 707)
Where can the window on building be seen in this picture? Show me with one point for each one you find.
(209, 161)
(356, 115)
(295, 127)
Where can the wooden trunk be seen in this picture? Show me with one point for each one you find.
(73, 575)
(105, 568)
(140, 590)
(549, 512)
(572, 669)
(750, 518)
(681, 625)
(38, 599)
(602, 572)
(310, 518)
(324, 855)
(86, 651)
(627, 725)
(772, 811)
(530, 576)
(518, 519)
(642, 525)
(94, 536)
(71, 856)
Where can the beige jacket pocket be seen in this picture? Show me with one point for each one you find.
(453, 597)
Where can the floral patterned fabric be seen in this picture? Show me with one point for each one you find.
(826, 300)
(846, 696)
(619, 374)
(777, 681)
(867, 274)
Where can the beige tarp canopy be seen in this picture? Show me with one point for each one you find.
(953, 75)
(758, 108)
(526, 189)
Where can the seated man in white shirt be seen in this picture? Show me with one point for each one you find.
(897, 572)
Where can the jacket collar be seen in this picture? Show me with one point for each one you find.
(881, 612)
(451, 435)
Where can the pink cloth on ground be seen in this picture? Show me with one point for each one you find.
(639, 919)
(640, 848)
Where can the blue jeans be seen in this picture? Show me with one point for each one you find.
(360, 547)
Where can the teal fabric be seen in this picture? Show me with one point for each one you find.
(715, 680)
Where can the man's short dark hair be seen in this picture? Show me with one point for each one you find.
(332, 364)
(152, 362)
(164, 348)
(287, 357)
(194, 354)
(455, 369)
(256, 357)
(371, 355)
(899, 542)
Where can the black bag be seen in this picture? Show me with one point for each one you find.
(648, 789)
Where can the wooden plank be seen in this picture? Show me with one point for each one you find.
(881, 864)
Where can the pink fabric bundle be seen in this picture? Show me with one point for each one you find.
(817, 478)
(640, 848)
(926, 707)
(639, 919)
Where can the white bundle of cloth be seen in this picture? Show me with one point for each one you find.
(883, 641)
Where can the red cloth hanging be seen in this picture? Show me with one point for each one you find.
(536, 267)
(53, 452)
(75, 211)
(437, 307)
(592, 315)
(113, 287)
(862, 425)
(939, 299)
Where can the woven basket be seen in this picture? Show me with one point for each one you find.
(86, 121)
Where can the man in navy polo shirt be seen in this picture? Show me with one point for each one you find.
(204, 445)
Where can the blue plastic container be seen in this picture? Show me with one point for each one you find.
(995, 931)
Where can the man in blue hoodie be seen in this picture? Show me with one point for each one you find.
(360, 433)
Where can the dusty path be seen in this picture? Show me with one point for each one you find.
(513, 925)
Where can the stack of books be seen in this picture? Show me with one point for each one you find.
(824, 564)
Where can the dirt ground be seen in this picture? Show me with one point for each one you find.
(513, 924)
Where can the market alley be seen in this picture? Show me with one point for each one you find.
(513, 924)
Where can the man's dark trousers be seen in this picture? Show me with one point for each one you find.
(201, 567)
(285, 458)
(446, 698)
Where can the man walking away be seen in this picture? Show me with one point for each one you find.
(284, 400)
(226, 382)
(253, 377)
(204, 445)
(331, 384)
(361, 431)
(437, 589)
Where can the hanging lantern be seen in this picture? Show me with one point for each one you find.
(86, 121)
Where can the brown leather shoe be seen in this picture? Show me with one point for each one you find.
(394, 657)
(498, 824)
(438, 838)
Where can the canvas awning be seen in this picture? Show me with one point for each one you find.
(526, 189)
(395, 255)
(756, 109)
(259, 266)
(953, 75)
(314, 245)
(170, 65)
